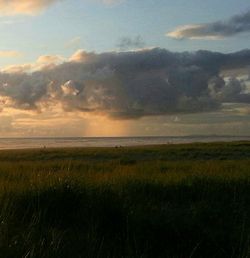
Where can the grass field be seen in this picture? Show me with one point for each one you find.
(188, 200)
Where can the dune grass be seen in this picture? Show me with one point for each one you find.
(189, 200)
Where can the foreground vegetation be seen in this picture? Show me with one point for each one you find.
(188, 200)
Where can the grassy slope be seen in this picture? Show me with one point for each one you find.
(161, 201)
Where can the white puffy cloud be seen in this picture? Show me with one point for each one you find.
(82, 56)
(43, 62)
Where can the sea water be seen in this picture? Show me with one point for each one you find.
(29, 143)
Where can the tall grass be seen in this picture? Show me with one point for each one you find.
(162, 201)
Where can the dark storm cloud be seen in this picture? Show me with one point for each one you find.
(215, 30)
(128, 85)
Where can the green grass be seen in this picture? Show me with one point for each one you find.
(189, 200)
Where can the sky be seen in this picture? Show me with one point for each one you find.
(124, 68)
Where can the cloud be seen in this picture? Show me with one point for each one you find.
(127, 43)
(9, 54)
(26, 7)
(215, 30)
(128, 85)
(81, 56)
(112, 2)
(33, 7)
(74, 42)
(43, 62)
(49, 59)
(10, 22)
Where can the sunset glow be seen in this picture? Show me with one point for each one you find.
(90, 68)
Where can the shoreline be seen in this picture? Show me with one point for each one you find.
(8, 144)
(193, 146)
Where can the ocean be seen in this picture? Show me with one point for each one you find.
(30, 143)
